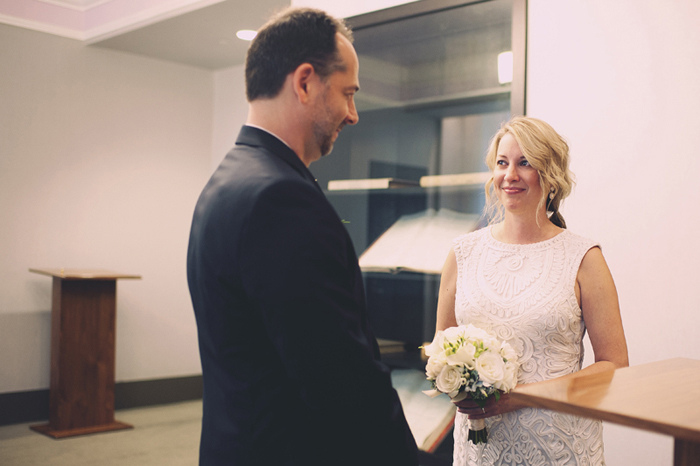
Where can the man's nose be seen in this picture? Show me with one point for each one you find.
(353, 116)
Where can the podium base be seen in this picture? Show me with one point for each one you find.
(63, 433)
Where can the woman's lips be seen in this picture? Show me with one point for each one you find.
(511, 190)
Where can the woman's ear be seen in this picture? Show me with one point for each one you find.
(302, 81)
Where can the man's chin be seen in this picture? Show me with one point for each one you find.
(326, 149)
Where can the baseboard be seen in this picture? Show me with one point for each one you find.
(31, 406)
(21, 407)
(157, 392)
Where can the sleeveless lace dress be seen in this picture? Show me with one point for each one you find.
(524, 294)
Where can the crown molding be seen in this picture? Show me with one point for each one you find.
(39, 26)
(77, 5)
(93, 20)
(162, 11)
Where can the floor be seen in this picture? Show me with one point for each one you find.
(164, 435)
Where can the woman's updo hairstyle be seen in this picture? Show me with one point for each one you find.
(547, 152)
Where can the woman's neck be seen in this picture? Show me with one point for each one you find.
(517, 229)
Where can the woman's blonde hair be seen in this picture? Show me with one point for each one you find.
(547, 152)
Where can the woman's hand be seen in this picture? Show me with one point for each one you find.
(491, 408)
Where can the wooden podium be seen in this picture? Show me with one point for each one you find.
(634, 397)
(83, 318)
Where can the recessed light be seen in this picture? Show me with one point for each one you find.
(246, 34)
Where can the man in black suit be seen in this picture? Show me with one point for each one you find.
(291, 368)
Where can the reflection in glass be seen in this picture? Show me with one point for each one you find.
(430, 101)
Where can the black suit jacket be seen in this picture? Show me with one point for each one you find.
(291, 369)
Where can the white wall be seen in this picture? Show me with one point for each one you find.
(102, 156)
(230, 110)
(619, 80)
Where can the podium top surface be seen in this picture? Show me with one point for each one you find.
(83, 274)
(661, 397)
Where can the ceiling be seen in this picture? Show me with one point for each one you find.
(205, 38)
(202, 33)
(199, 33)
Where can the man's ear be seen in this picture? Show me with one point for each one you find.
(302, 80)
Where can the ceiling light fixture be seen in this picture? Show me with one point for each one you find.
(246, 34)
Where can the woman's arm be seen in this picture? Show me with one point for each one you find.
(446, 296)
(601, 313)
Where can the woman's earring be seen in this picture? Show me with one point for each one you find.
(551, 193)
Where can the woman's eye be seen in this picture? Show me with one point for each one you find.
(500, 162)
(524, 163)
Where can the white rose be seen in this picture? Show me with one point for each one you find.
(435, 365)
(510, 379)
(476, 333)
(449, 380)
(492, 344)
(508, 352)
(491, 368)
(464, 355)
(435, 347)
(453, 334)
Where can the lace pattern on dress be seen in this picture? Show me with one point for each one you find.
(524, 294)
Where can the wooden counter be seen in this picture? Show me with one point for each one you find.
(661, 397)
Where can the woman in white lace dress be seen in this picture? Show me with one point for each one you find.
(531, 282)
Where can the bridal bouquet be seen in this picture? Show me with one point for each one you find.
(467, 362)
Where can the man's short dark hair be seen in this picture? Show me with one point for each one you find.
(293, 37)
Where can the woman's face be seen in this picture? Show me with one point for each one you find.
(517, 182)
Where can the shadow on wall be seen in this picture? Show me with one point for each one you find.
(25, 360)
(25, 350)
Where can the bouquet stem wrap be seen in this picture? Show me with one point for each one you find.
(477, 431)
